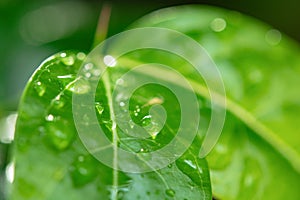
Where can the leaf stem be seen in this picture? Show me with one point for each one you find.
(103, 22)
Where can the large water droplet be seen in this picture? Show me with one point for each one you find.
(67, 60)
(59, 132)
(170, 192)
(83, 170)
(40, 88)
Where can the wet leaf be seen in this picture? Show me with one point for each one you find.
(52, 163)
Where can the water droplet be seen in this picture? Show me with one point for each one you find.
(10, 172)
(88, 74)
(50, 118)
(58, 103)
(170, 166)
(81, 56)
(190, 163)
(120, 81)
(96, 72)
(109, 60)
(170, 192)
(131, 124)
(88, 66)
(80, 87)
(218, 25)
(146, 120)
(63, 55)
(59, 132)
(40, 88)
(122, 104)
(69, 60)
(83, 170)
(273, 37)
(99, 107)
(66, 76)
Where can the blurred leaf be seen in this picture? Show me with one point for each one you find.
(258, 155)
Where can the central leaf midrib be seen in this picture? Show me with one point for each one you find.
(107, 86)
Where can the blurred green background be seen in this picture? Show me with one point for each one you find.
(32, 30)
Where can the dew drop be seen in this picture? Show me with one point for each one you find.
(58, 103)
(191, 164)
(60, 133)
(40, 88)
(88, 66)
(63, 55)
(131, 124)
(120, 81)
(49, 118)
(122, 104)
(83, 170)
(80, 87)
(88, 74)
(99, 107)
(273, 37)
(69, 60)
(170, 192)
(81, 56)
(10, 172)
(218, 24)
(170, 166)
(109, 60)
(146, 120)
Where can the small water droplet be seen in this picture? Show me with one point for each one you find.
(88, 66)
(83, 170)
(218, 24)
(122, 104)
(131, 124)
(170, 166)
(68, 60)
(273, 37)
(146, 120)
(81, 86)
(120, 81)
(170, 192)
(58, 103)
(40, 88)
(10, 172)
(99, 107)
(81, 56)
(191, 164)
(109, 60)
(88, 74)
(63, 55)
(50, 118)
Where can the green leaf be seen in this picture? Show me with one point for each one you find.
(258, 154)
(52, 163)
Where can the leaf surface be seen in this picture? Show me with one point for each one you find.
(259, 149)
